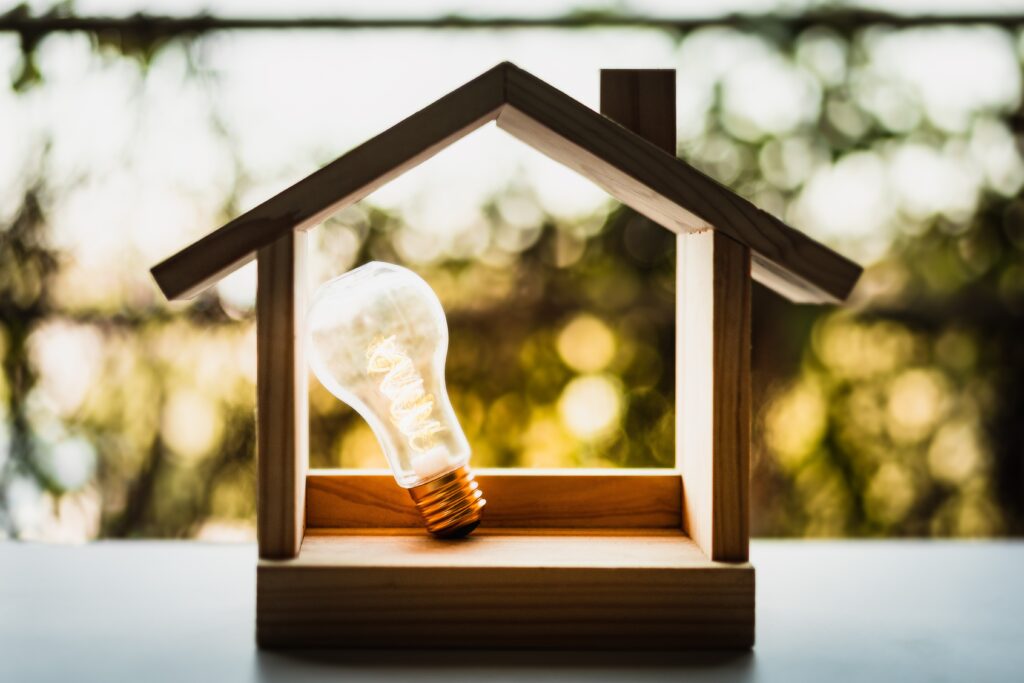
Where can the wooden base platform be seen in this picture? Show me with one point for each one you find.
(504, 588)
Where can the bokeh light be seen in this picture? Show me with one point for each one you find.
(124, 416)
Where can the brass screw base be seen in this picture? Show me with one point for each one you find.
(451, 504)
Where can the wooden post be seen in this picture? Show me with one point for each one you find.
(712, 341)
(713, 391)
(282, 416)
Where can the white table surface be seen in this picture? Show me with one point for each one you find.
(826, 611)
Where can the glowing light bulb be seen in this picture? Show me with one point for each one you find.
(378, 341)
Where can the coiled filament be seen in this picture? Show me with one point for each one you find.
(411, 406)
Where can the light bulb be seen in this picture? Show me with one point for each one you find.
(377, 340)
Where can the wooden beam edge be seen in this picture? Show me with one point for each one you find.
(732, 412)
(332, 187)
(586, 500)
(282, 419)
(196, 267)
(819, 274)
(510, 472)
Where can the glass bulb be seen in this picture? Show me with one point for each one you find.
(378, 340)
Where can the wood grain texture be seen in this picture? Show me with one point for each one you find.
(666, 189)
(631, 169)
(643, 101)
(713, 320)
(713, 391)
(282, 417)
(515, 498)
(536, 133)
(504, 591)
(342, 182)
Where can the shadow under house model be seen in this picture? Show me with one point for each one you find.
(563, 559)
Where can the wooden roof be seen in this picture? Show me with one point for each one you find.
(628, 167)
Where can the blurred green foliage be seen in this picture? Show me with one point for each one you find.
(898, 416)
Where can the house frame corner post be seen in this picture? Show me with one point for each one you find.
(282, 414)
(713, 412)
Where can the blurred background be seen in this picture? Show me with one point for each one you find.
(130, 129)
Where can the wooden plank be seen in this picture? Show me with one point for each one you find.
(543, 499)
(564, 548)
(643, 101)
(713, 391)
(342, 182)
(666, 189)
(502, 591)
(282, 417)
(611, 179)
(633, 170)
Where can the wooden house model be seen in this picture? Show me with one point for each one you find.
(563, 559)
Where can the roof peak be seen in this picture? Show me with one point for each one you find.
(628, 167)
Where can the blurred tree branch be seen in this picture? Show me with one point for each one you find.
(27, 265)
(843, 20)
(161, 493)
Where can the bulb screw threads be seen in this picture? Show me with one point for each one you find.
(450, 504)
